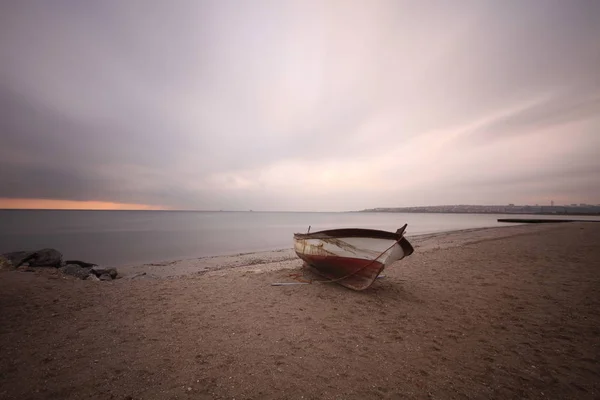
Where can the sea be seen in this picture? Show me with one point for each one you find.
(118, 238)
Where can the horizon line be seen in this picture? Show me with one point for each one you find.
(293, 211)
(157, 209)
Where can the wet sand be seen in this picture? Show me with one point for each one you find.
(490, 313)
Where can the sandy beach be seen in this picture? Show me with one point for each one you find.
(511, 312)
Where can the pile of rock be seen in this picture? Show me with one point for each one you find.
(54, 259)
(95, 272)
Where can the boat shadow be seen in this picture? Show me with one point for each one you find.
(384, 288)
(390, 289)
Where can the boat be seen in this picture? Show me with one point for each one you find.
(354, 258)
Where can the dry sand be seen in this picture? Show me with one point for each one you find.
(494, 313)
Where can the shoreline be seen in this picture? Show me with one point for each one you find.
(281, 259)
(116, 242)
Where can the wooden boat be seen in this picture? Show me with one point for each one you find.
(351, 257)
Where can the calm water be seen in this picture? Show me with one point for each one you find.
(134, 237)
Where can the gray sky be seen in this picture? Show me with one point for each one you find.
(307, 105)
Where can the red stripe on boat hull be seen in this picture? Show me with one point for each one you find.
(353, 273)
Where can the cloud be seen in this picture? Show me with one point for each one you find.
(557, 110)
(299, 105)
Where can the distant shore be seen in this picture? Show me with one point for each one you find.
(572, 214)
(571, 209)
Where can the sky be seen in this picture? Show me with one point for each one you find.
(298, 105)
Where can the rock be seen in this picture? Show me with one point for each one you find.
(5, 264)
(97, 270)
(92, 277)
(136, 275)
(75, 270)
(81, 263)
(105, 277)
(18, 258)
(46, 258)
